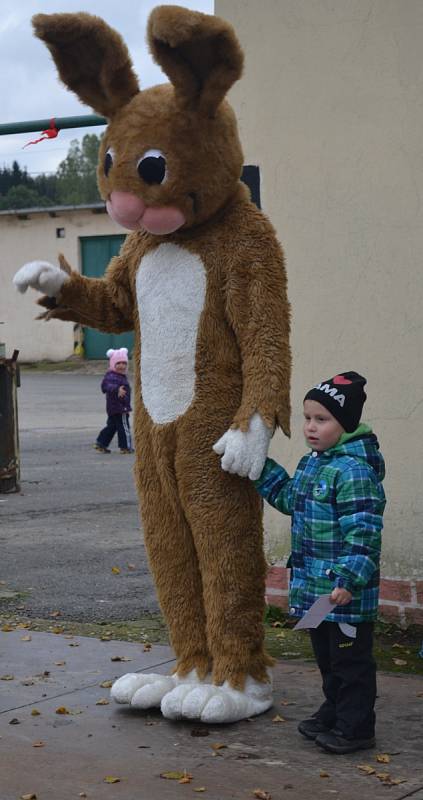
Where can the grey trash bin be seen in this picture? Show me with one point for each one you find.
(9, 437)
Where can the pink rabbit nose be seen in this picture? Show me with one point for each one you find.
(126, 209)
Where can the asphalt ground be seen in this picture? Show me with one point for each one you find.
(75, 521)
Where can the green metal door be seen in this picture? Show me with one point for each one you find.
(96, 252)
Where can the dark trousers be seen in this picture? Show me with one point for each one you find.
(348, 672)
(116, 423)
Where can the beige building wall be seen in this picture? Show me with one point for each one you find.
(34, 238)
(330, 108)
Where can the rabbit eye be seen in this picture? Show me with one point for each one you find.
(108, 161)
(152, 167)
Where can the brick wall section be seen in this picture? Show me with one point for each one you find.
(401, 600)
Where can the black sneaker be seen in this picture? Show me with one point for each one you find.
(335, 742)
(125, 450)
(310, 728)
(101, 449)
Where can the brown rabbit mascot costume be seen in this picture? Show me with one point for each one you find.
(201, 280)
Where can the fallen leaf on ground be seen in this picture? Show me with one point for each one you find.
(111, 779)
(55, 614)
(399, 662)
(120, 658)
(30, 796)
(26, 638)
(15, 721)
(324, 774)
(419, 694)
(287, 703)
(383, 758)
(7, 628)
(383, 776)
(24, 625)
(57, 630)
(367, 768)
(106, 684)
(218, 746)
(276, 624)
(172, 776)
(82, 794)
(39, 744)
(60, 663)
(35, 712)
(102, 702)
(200, 732)
(200, 789)
(116, 570)
(7, 678)
(73, 644)
(62, 710)
(262, 795)
(186, 779)
(147, 647)
(278, 718)
(131, 566)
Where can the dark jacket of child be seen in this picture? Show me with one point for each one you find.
(110, 386)
(336, 501)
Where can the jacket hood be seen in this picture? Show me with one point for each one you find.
(363, 445)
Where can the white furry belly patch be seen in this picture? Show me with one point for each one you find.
(171, 289)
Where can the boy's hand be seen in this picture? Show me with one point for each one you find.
(341, 597)
(121, 391)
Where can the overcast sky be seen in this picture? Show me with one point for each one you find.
(30, 89)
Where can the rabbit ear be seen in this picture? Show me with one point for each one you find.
(92, 59)
(199, 53)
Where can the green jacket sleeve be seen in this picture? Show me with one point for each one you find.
(275, 485)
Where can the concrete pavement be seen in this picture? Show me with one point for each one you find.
(68, 755)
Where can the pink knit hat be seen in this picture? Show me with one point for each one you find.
(115, 356)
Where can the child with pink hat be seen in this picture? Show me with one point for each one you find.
(115, 386)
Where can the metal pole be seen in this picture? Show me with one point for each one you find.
(37, 125)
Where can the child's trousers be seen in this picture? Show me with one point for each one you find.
(116, 423)
(348, 672)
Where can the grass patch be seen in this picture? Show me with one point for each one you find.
(149, 628)
(395, 650)
(70, 365)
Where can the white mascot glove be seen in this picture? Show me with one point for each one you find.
(244, 453)
(42, 276)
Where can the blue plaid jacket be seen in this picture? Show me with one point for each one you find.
(336, 501)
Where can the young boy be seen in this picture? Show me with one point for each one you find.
(115, 386)
(336, 502)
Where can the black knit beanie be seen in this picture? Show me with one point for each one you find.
(343, 396)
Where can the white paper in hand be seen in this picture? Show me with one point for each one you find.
(316, 613)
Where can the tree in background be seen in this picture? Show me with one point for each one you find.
(76, 175)
(74, 183)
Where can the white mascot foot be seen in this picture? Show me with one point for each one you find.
(217, 704)
(147, 691)
(142, 691)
